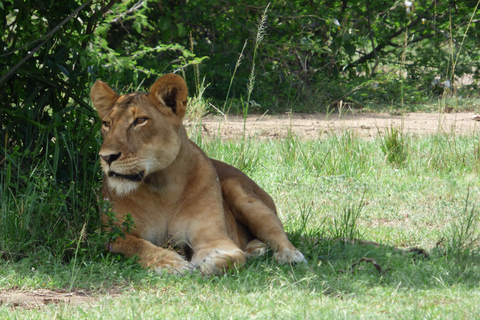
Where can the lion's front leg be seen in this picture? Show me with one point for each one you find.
(150, 256)
(214, 252)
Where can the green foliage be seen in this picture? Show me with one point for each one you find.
(48, 169)
(115, 229)
(49, 193)
(368, 52)
(132, 47)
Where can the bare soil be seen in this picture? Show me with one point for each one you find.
(312, 126)
(16, 298)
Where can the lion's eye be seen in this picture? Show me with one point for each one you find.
(139, 121)
(106, 124)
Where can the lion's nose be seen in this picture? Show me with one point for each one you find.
(110, 157)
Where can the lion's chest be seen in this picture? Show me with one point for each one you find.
(151, 214)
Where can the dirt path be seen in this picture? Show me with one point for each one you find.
(34, 299)
(311, 126)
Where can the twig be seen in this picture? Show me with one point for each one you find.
(135, 7)
(92, 23)
(13, 254)
(368, 260)
(21, 48)
(356, 241)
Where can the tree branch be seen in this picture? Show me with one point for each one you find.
(380, 47)
(91, 26)
(135, 7)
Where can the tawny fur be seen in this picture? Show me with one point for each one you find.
(175, 194)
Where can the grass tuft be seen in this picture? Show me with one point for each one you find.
(463, 238)
(394, 146)
(345, 224)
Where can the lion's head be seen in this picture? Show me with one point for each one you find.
(140, 130)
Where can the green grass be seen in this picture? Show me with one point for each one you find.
(328, 188)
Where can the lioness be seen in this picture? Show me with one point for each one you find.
(174, 192)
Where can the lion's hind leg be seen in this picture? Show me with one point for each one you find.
(261, 220)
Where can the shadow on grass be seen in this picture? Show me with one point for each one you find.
(333, 267)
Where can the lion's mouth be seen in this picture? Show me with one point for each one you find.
(131, 177)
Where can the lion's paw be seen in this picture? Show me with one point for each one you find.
(255, 248)
(178, 268)
(171, 262)
(216, 262)
(289, 256)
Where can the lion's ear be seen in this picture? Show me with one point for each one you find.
(103, 97)
(171, 90)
